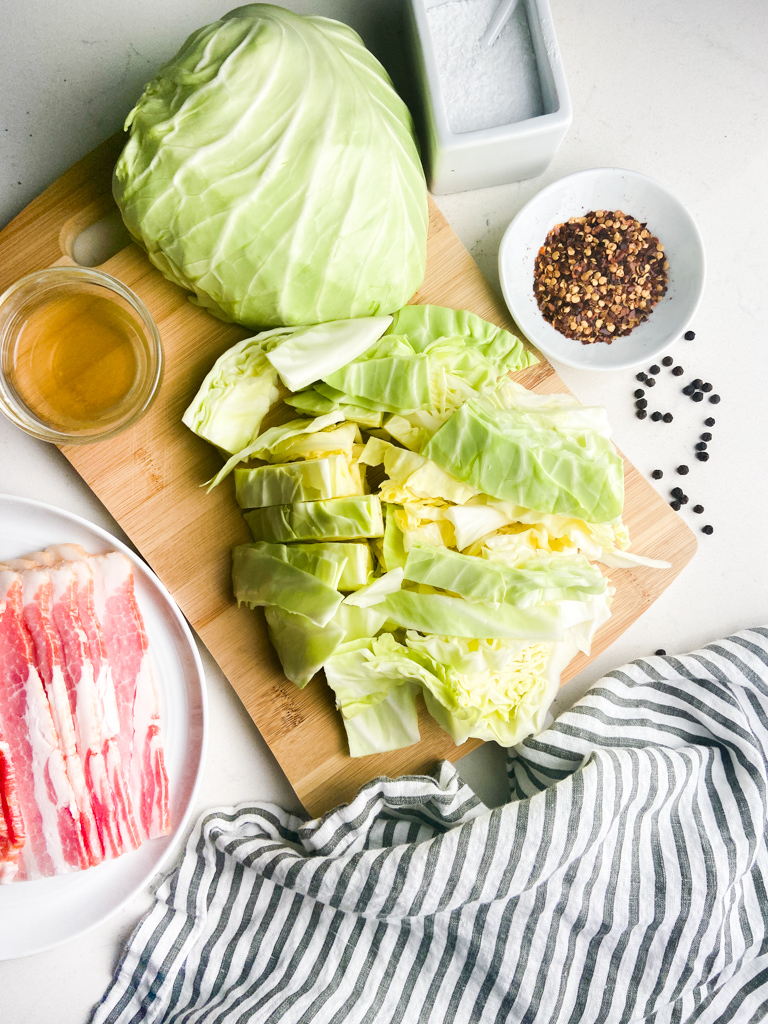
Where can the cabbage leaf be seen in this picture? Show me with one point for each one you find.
(534, 459)
(309, 480)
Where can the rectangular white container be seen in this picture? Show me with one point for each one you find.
(458, 162)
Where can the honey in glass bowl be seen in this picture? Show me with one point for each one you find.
(81, 356)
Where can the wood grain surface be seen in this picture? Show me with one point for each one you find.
(149, 478)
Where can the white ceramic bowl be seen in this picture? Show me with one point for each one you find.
(605, 188)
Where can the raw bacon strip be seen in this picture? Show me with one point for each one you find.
(85, 706)
(126, 646)
(91, 689)
(37, 615)
(55, 841)
(12, 833)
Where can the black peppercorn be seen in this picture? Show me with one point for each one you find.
(640, 376)
(698, 509)
(678, 371)
(706, 436)
(655, 416)
(657, 474)
(650, 383)
(684, 500)
(639, 393)
(655, 369)
(697, 383)
(701, 446)
(707, 529)
(661, 652)
(697, 396)
(682, 470)
(706, 387)
(688, 389)
(641, 403)
(689, 335)
(667, 417)
(702, 456)
(667, 361)
(641, 414)
(676, 492)
(714, 399)
(675, 505)
(709, 421)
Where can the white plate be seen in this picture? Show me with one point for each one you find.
(605, 188)
(35, 916)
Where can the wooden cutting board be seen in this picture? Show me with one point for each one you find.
(149, 478)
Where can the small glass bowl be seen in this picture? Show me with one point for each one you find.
(31, 294)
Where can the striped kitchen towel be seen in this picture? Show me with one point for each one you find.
(624, 881)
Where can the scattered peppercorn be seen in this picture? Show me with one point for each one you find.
(683, 470)
(667, 361)
(701, 446)
(597, 277)
(675, 505)
(706, 436)
(689, 335)
(702, 456)
(678, 371)
(640, 376)
(684, 500)
(655, 416)
(661, 652)
(651, 383)
(639, 393)
(641, 414)
(709, 421)
(698, 397)
(641, 403)
(657, 474)
(714, 399)
(655, 369)
(707, 529)
(697, 383)
(676, 492)
(667, 417)
(688, 389)
(698, 509)
(706, 387)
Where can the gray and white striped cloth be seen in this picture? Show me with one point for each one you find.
(624, 881)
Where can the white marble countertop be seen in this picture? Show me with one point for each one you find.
(678, 92)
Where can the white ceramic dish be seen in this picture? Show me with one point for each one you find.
(605, 188)
(39, 915)
(458, 161)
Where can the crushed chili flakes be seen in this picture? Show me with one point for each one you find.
(598, 277)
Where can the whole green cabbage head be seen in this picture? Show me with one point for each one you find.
(272, 170)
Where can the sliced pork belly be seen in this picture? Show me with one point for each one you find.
(55, 841)
(12, 833)
(127, 649)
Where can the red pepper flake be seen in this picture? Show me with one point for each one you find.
(598, 277)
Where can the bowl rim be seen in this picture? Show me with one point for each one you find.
(13, 407)
(585, 174)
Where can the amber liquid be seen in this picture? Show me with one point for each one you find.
(77, 359)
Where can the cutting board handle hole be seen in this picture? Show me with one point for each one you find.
(100, 241)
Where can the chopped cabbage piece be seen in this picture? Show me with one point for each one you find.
(453, 616)
(351, 518)
(533, 459)
(313, 353)
(309, 480)
(261, 577)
